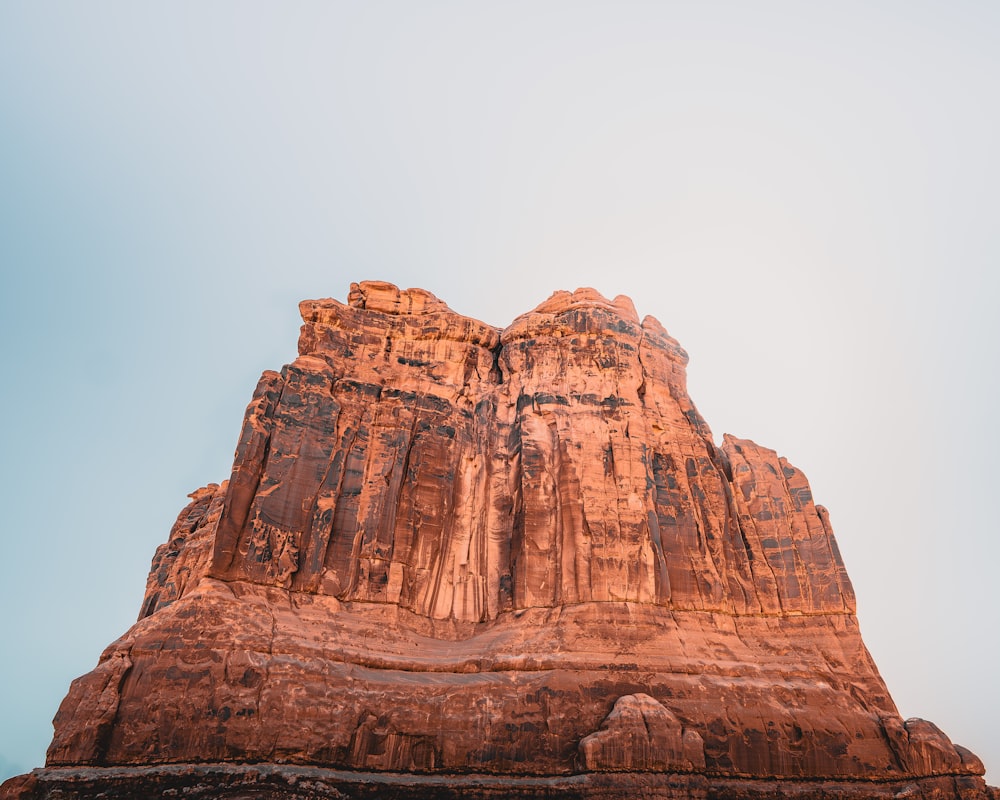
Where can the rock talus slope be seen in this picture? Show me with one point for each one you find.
(458, 561)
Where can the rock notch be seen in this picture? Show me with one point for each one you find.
(453, 560)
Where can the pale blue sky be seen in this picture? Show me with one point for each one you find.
(805, 194)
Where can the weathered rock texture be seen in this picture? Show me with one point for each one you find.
(502, 563)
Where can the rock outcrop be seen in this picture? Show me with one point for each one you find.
(641, 735)
(458, 561)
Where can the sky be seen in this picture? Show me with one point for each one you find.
(805, 194)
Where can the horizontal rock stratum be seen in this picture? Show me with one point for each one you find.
(458, 561)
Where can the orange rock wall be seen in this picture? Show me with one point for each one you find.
(414, 456)
(450, 548)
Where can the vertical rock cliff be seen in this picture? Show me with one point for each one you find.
(457, 560)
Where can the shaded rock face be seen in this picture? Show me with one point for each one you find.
(447, 549)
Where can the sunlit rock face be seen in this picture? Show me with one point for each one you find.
(502, 563)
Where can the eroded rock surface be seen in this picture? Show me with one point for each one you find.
(641, 735)
(447, 549)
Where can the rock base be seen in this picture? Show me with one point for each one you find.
(283, 782)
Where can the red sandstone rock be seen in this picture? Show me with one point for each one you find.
(182, 561)
(447, 549)
(641, 735)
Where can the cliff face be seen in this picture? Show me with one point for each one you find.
(451, 550)
(415, 457)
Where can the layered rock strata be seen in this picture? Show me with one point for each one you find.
(455, 559)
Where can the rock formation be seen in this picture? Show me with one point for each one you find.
(458, 561)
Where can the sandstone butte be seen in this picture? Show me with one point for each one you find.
(457, 561)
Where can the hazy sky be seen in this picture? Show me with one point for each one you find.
(804, 193)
